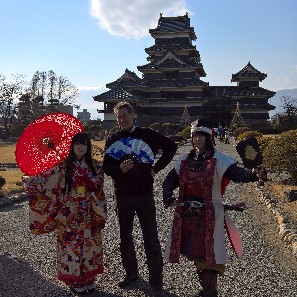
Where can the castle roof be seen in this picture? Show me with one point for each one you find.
(171, 61)
(174, 25)
(162, 48)
(128, 77)
(235, 91)
(175, 83)
(248, 91)
(248, 72)
(118, 93)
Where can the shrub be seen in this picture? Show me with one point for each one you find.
(264, 142)
(264, 127)
(247, 134)
(239, 131)
(178, 137)
(186, 132)
(156, 126)
(113, 129)
(167, 128)
(281, 153)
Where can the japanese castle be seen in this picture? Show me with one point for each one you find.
(171, 82)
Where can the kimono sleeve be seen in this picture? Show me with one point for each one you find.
(44, 191)
(98, 201)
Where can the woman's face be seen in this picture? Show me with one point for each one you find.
(199, 141)
(80, 150)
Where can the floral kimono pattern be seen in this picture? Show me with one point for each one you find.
(77, 217)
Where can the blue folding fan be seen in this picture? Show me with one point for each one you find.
(131, 146)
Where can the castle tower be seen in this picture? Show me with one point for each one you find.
(172, 79)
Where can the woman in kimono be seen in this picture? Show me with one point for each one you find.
(198, 228)
(69, 198)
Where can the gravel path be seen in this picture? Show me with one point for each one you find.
(268, 268)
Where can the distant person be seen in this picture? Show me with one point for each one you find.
(200, 219)
(221, 133)
(227, 135)
(130, 160)
(216, 132)
(213, 136)
(69, 199)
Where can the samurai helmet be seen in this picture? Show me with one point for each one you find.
(201, 125)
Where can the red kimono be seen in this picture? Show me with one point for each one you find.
(76, 216)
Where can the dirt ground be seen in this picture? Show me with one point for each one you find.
(277, 192)
(268, 227)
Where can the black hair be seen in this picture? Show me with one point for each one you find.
(208, 142)
(79, 138)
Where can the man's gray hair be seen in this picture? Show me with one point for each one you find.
(123, 104)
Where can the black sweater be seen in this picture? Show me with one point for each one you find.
(138, 179)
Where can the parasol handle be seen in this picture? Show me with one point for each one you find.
(51, 145)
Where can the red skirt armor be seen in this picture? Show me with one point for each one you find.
(197, 231)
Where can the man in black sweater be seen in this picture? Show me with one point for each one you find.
(129, 159)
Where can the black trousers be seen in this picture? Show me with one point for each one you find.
(144, 206)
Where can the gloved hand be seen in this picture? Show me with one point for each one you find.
(170, 201)
(261, 173)
(102, 225)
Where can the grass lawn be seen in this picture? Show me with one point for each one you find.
(7, 153)
(13, 176)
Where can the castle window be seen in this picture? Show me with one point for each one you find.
(173, 95)
(171, 74)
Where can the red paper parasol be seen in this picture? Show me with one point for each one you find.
(46, 142)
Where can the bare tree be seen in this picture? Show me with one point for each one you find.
(10, 91)
(67, 92)
(42, 83)
(54, 89)
(289, 106)
(52, 80)
(287, 118)
(21, 102)
(35, 84)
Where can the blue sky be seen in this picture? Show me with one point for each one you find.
(92, 42)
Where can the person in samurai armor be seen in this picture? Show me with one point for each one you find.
(69, 199)
(200, 218)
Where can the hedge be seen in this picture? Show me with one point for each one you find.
(281, 153)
